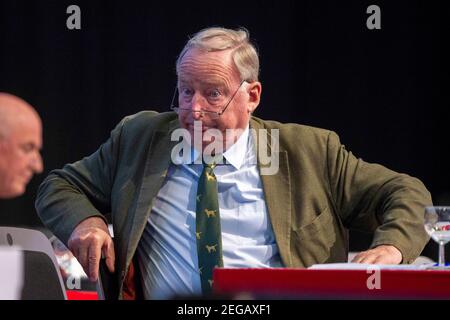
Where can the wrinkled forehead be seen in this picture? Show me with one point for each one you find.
(211, 67)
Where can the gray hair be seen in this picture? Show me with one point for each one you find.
(244, 53)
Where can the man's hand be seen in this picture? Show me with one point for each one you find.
(384, 254)
(88, 241)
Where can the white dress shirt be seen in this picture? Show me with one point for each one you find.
(167, 251)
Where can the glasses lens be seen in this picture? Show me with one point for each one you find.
(213, 115)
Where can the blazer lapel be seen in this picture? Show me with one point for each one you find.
(156, 166)
(277, 192)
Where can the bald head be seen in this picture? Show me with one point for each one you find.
(13, 111)
(20, 144)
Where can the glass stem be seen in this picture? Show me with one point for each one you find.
(441, 254)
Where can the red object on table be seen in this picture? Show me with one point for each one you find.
(81, 295)
(333, 284)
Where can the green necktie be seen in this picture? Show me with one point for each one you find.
(208, 234)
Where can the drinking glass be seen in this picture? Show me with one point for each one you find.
(437, 225)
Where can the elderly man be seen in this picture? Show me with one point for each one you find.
(20, 144)
(176, 219)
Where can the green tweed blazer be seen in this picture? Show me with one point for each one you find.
(319, 192)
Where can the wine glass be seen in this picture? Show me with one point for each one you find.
(437, 225)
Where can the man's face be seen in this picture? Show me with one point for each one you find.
(207, 81)
(19, 156)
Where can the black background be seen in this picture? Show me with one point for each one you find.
(383, 91)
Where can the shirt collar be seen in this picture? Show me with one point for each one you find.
(235, 155)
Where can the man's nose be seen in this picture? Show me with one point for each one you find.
(37, 163)
(198, 103)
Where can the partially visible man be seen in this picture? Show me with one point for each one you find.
(20, 144)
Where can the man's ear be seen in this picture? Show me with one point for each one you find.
(254, 95)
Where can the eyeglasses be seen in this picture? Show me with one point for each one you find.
(203, 112)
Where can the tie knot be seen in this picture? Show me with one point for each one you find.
(210, 166)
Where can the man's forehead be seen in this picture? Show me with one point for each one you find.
(207, 68)
(29, 136)
(26, 124)
(207, 82)
(199, 61)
